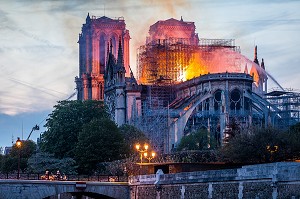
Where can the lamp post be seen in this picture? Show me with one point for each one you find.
(141, 150)
(149, 158)
(272, 149)
(18, 144)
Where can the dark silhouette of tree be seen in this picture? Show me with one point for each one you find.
(198, 140)
(292, 137)
(9, 162)
(99, 141)
(65, 123)
(40, 162)
(232, 129)
(131, 136)
(256, 146)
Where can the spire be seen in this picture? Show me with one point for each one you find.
(120, 54)
(262, 64)
(110, 61)
(88, 18)
(132, 78)
(131, 73)
(255, 56)
(181, 19)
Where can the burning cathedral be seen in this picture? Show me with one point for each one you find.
(183, 82)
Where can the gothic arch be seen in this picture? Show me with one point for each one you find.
(102, 51)
(235, 97)
(178, 125)
(114, 39)
(217, 99)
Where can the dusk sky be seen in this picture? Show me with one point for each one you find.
(39, 50)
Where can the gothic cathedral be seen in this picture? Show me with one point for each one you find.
(101, 75)
(96, 33)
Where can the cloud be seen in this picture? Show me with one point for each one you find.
(42, 61)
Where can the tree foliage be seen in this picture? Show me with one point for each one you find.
(9, 162)
(293, 139)
(131, 136)
(99, 141)
(65, 123)
(40, 162)
(257, 146)
(26, 149)
(196, 141)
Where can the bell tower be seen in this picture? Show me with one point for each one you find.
(96, 33)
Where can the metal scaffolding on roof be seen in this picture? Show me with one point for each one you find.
(171, 59)
(164, 60)
(288, 107)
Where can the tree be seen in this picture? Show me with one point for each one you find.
(40, 162)
(99, 141)
(233, 130)
(195, 141)
(9, 164)
(1, 161)
(10, 161)
(292, 137)
(26, 149)
(132, 136)
(65, 123)
(256, 146)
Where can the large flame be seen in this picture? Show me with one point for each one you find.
(180, 65)
(196, 67)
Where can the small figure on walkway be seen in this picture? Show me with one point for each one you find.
(58, 176)
(47, 174)
(64, 177)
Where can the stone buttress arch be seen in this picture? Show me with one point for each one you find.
(177, 126)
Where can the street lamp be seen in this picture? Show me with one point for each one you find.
(18, 144)
(272, 149)
(149, 158)
(141, 150)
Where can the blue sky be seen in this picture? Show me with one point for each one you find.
(39, 50)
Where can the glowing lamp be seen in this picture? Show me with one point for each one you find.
(153, 154)
(18, 142)
(137, 146)
(146, 146)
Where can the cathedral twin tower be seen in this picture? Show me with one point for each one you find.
(93, 56)
(104, 72)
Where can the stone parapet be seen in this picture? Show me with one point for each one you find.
(274, 180)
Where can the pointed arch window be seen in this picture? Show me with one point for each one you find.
(102, 53)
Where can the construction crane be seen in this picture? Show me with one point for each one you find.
(35, 128)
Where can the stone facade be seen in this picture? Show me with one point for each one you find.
(93, 56)
(161, 103)
(275, 180)
(122, 94)
(173, 29)
(37, 189)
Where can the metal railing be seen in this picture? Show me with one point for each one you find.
(68, 177)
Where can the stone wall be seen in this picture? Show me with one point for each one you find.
(38, 189)
(275, 180)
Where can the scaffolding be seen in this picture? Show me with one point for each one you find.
(164, 63)
(154, 119)
(288, 107)
(164, 60)
(174, 59)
